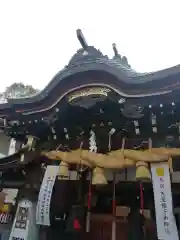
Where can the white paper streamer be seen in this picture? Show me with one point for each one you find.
(12, 147)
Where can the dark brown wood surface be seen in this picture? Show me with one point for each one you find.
(101, 228)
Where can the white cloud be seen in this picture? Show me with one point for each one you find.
(37, 37)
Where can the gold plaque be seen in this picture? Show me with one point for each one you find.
(88, 92)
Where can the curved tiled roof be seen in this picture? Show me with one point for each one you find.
(122, 72)
(89, 58)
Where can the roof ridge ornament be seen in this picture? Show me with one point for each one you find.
(82, 39)
(117, 56)
(116, 53)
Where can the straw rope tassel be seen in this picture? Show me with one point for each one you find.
(98, 176)
(63, 173)
(142, 171)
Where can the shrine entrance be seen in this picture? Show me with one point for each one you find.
(101, 228)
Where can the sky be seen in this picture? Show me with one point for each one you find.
(38, 37)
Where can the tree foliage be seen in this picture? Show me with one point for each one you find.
(18, 90)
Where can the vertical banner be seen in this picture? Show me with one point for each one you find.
(20, 228)
(44, 199)
(165, 220)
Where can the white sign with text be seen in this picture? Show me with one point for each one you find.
(44, 199)
(165, 220)
(20, 226)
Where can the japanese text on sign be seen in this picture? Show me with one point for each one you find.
(164, 206)
(44, 199)
(165, 220)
